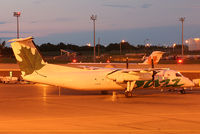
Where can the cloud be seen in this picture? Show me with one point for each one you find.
(126, 6)
(117, 6)
(37, 2)
(64, 19)
(33, 22)
(10, 32)
(52, 20)
(7, 31)
(146, 5)
(156, 35)
(3, 22)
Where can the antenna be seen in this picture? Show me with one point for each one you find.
(182, 19)
(94, 18)
(98, 46)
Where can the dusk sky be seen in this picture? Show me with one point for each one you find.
(69, 21)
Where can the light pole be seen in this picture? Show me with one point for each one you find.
(98, 47)
(182, 19)
(147, 46)
(145, 43)
(93, 18)
(174, 46)
(17, 14)
(120, 50)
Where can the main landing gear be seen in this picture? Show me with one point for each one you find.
(182, 91)
(128, 94)
(129, 89)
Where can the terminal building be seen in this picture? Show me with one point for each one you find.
(193, 44)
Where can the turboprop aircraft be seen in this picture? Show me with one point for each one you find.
(155, 56)
(34, 68)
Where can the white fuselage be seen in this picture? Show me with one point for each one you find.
(83, 79)
(74, 78)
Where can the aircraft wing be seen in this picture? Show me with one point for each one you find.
(125, 75)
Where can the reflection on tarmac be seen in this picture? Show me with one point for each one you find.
(39, 109)
(44, 88)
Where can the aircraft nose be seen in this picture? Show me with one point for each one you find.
(190, 83)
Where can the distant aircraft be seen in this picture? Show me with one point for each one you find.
(34, 68)
(155, 55)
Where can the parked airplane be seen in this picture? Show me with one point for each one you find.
(34, 68)
(155, 55)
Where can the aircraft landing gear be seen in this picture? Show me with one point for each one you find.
(129, 89)
(128, 94)
(182, 91)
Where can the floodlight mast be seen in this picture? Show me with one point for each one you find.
(94, 18)
(17, 14)
(182, 19)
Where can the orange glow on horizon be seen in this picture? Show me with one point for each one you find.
(196, 39)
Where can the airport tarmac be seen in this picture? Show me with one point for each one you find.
(36, 108)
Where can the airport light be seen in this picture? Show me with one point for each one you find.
(120, 50)
(94, 18)
(147, 45)
(174, 45)
(108, 61)
(17, 14)
(88, 44)
(182, 19)
(180, 61)
(74, 60)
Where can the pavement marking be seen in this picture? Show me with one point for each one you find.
(9, 69)
(100, 131)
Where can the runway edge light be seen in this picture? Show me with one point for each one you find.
(74, 60)
(180, 61)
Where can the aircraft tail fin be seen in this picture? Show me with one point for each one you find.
(155, 55)
(27, 55)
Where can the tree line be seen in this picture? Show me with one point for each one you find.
(112, 48)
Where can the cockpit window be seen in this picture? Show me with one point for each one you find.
(178, 74)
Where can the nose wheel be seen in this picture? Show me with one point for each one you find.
(182, 91)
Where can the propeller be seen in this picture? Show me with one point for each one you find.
(154, 72)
